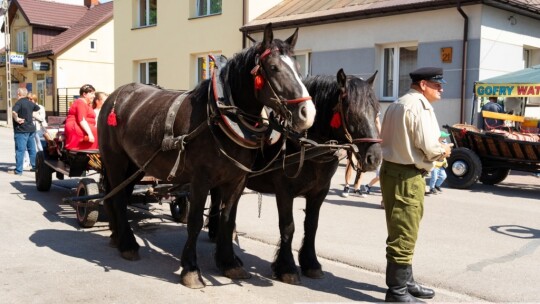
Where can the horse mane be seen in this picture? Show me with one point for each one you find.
(325, 92)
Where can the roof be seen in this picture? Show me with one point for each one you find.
(87, 23)
(49, 14)
(293, 13)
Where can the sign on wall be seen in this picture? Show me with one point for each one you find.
(40, 66)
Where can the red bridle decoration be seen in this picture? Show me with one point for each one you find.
(335, 122)
(259, 79)
(111, 119)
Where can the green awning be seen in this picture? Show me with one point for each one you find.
(523, 83)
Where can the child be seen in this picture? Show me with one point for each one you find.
(438, 173)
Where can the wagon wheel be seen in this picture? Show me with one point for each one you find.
(43, 173)
(464, 168)
(87, 216)
(492, 176)
(179, 209)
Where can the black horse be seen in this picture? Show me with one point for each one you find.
(347, 110)
(201, 138)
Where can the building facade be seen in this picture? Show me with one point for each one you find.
(55, 49)
(169, 42)
(470, 40)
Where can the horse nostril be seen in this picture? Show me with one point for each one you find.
(303, 112)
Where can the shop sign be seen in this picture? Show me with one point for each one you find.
(509, 90)
(40, 66)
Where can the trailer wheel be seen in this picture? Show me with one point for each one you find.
(179, 209)
(464, 168)
(43, 173)
(87, 216)
(492, 176)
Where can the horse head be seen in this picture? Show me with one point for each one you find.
(347, 111)
(360, 111)
(274, 81)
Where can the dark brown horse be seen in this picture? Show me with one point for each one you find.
(357, 107)
(188, 138)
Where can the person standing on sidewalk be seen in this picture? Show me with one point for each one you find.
(410, 145)
(24, 130)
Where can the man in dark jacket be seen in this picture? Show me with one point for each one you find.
(24, 130)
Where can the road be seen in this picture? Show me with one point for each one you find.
(475, 245)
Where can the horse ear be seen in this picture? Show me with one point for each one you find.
(268, 36)
(341, 78)
(372, 78)
(292, 40)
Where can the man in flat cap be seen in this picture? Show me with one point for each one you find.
(410, 144)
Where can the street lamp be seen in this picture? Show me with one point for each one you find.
(4, 9)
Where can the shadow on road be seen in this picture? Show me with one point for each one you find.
(517, 231)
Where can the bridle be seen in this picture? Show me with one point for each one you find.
(260, 74)
(343, 125)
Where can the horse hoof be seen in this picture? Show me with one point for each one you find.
(192, 279)
(291, 278)
(131, 255)
(313, 273)
(237, 273)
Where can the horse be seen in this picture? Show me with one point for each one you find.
(193, 138)
(347, 109)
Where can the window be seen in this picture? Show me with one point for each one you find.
(527, 54)
(22, 43)
(397, 62)
(205, 64)
(148, 72)
(147, 12)
(303, 65)
(93, 45)
(208, 7)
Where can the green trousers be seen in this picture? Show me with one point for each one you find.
(403, 188)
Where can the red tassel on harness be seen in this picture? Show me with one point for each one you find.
(259, 82)
(336, 120)
(111, 119)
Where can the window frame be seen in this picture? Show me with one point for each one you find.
(22, 41)
(208, 8)
(147, 13)
(147, 70)
(396, 47)
(305, 66)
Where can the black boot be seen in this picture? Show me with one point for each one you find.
(417, 290)
(396, 279)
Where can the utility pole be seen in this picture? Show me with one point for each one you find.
(5, 10)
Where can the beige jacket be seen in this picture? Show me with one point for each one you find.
(410, 132)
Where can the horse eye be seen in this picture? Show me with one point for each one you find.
(273, 67)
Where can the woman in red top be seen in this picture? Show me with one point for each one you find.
(80, 129)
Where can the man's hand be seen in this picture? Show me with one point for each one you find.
(447, 149)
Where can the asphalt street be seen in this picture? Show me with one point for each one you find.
(475, 245)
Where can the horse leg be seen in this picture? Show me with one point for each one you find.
(226, 260)
(307, 256)
(122, 236)
(191, 274)
(284, 267)
(213, 214)
(111, 215)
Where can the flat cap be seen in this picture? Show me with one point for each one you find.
(429, 74)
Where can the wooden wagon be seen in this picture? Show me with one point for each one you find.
(488, 156)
